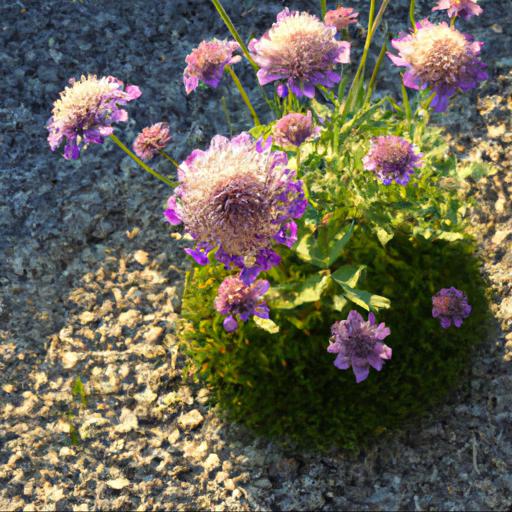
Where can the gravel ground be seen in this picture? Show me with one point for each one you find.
(90, 282)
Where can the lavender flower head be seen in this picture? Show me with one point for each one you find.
(341, 17)
(206, 63)
(450, 305)
(439, 57)
(464, 8)
(236, 299)
(86, 111)
(392, 158)
(300, 50)
(151, 140)
(359, 344)
(294, 129)
(240, 199)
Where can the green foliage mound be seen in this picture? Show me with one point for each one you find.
(284, 385)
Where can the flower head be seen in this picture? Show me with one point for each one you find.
(86, 111)
(300, 49)
(464, 8)
(236, 299)
(341, 17)
(206, 63)
(450, 305)
(440, 57)
(359, 344)
(240, 200)
(151, 140)
(294, 129)
(392, 158)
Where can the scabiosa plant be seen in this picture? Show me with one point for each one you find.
(206, 63)
(294, 129)
(341, 17)
(463, 8)
(239, 200)
(300, 50)
(151, 140)
(358, 344)
(450, 305)
(439, 57)
(235, 300)
(392, 158)
(85, 112)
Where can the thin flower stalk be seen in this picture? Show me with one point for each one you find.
(412, 8)
(170, 158)
(373, 24)
(244, 95)
(375, 73)
(363, 58)
(234, 32)
(145, 166)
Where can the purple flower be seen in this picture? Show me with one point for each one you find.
(341, 17)
(206, 63)
(439, 57)
(294, 129)
(463, 8)
(450, 305)
(151, 140)
(85, 112)
(236, 299)
(240, 201)
(301, 50)
(392, 158)
(359, 344)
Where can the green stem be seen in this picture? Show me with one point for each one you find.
(229, 24)
(428, 101)
(323, 7)
(146, 167)
(412, 7)
(452, 21)
(242, 92)
(373, 24)
(375, 73)
(290, 102)
(170, 158)
(363, 58)
(380, 14)
(298, 162)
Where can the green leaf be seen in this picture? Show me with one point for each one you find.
(365, 299)
(340, 241)
(339, 302)
(308, 250)
(74, 436)
(310, 290)
(260, 131)
(78, 391)
(266, 324)
(327, 247)
(476, 170)
(384, 236)
(348, 275)
(450, 236)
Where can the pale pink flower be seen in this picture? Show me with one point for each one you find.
(151, 140)
(206, 63)
(341, 17)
